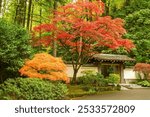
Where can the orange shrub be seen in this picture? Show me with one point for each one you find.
(45, 66)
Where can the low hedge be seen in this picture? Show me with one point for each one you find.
(101, 89)
(32, 89)
(82, 90)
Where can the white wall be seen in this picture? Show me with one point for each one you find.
(129, 73)
(70, 70)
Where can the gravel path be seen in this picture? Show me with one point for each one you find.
(133, 94)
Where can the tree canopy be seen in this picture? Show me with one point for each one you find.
(138, 26)
(80, 28)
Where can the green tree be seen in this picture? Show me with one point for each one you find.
(138, 26)
(20, 16)
(111, 6)
(136, 14)
(129, 6)
(14, 48)
(28, 12)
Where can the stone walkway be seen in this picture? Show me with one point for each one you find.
(132, 94)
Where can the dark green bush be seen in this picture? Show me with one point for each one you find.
(14, 48)
(95, 82)
(89, 78)
(32, 89)
(144, 83)
(59, 90)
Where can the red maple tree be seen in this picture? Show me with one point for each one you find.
(80, 28)
(143, 68)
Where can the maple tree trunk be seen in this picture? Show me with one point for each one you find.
(145, 76)
(54, 48)
(74, 79)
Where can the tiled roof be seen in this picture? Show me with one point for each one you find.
(112, 57)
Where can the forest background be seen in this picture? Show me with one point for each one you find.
(136, 13)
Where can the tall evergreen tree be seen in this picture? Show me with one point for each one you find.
(20, 16)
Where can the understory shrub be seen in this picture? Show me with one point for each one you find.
(144, 83)
(82, 90)
(113, 78)
(14, 48)
(93, 79)
(32, 89)
(95, 82)
(100, 89)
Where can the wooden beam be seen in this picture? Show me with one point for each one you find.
(99, 68)
(122, 80)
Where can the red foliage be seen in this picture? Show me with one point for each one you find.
(142, 67)
(45, 66)
(83, 20)
(81, 28)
